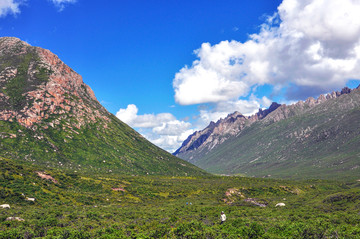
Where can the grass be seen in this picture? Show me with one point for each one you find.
(85, 206)
(117, 149)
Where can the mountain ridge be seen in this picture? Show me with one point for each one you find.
(215, 128)
(225, 152)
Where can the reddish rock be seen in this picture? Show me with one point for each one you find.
(56, 96)
(118, 189)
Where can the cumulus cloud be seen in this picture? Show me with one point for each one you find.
(130, 116)
(162, 129)
(312, 46)
(60, 4)
(171, 128)
(12, 6)
(214, 77)
(9, 7)
(169, 142)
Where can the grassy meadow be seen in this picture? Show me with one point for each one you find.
(76, 205)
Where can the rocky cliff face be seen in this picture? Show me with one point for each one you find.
(49, 116)
(36, 85)
(204, 141)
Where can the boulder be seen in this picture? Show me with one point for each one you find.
(5, 206)
(15, 219)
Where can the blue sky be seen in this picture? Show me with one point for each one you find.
(168, 68)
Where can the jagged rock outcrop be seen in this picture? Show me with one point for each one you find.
(345, 90)
(49, 116)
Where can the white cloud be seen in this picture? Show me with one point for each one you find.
(130, 116)
(169, 142)
(171, 127)
(163, 129)
(331, 21)
(9, 7)
(12, 6)
(265, 102)
(213, 78)
(61, 3)
(308, 46)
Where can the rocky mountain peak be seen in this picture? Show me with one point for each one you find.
(36, 85)
(345, 90)
(233, 117)
(8, 44)
(263, 113)
(212, 124)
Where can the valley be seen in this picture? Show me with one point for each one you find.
(79, 205)
(71, 169)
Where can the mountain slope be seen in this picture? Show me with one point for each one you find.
(219, 132)
(48, 116)
(312, 139)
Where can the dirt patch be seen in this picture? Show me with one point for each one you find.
(47, 177)
(255, 202)
(232, 194)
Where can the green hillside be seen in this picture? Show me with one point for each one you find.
(78, 205)
(320, 142)
(117, 149)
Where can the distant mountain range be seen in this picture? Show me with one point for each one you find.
(318, 138)
(48, 116)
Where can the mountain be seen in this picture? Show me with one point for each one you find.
(318, 138)
(49, 116)
(219, 132)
